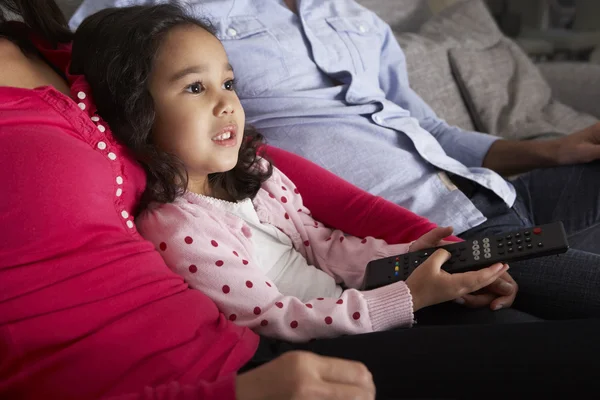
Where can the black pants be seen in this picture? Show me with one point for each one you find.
(556, 359)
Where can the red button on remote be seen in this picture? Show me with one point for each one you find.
(537, 231)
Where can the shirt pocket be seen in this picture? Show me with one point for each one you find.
(256, 54)
(361, 39)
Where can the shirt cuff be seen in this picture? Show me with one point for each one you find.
(472, 151)
(390, 306)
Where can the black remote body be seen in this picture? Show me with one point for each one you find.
(473, 254)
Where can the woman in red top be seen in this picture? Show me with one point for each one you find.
(88, 309)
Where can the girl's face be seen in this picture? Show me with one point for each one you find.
(199, 117)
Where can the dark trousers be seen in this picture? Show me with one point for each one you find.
(552, 359)
(554, 287)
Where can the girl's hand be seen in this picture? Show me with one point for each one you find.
(433, 238)
(429, 284)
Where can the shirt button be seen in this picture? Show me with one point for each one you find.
(112, 156)
(81, 95)
(101, 145)
(124, 214)
(119, 180)
(378, 119)
(119, 192)
(101, 128)
(362, 28)
(82, 106)
(231, 32)
(95, 119)
(130, 224)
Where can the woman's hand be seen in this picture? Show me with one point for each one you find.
(299, 375)
(429, 284)
(433, 238)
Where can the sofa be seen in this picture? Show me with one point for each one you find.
(476, 78)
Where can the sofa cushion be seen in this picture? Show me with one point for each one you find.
(517, 103)
(430, 76)
(503, 89)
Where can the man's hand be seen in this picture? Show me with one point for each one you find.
(509, 157)
(433, 238)
(579, 147)
(500, 294)
(299, 375)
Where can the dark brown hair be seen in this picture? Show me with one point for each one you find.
(42, 16)
(115, 50)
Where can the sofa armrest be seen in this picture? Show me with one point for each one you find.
(575, 84)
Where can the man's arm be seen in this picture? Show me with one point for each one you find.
(475, 149)
(513, 157)
(467, 147)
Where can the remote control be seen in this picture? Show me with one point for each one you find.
(473, 254)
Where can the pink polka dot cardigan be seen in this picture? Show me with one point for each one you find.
(213, 251)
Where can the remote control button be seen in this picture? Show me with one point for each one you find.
(500, 239)
(476, 247)
(517, 235)
(425, 254)
(520, 248)
(537, 231)
(508, 237)
(475, 242)
(519, 241)
(487, 251)
(509, 243)
(527, 233)
(486, 240)
(416, 262)
(500, 245)
(540, 244)
(476, 253)
(395, 273)
(528, 239)
(510, 250)
(396, 269)
(488, 256)
(476, 258)
(529, 246)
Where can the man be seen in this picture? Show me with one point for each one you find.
(327, 80)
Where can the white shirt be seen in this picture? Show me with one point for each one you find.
(285, 266)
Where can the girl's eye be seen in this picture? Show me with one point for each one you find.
(229, 85)
(195, 88)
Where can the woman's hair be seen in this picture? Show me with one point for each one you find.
(43, 16)
(115, 49)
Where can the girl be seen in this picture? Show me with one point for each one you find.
(222, 216)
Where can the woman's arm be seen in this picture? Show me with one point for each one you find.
(341, 205)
